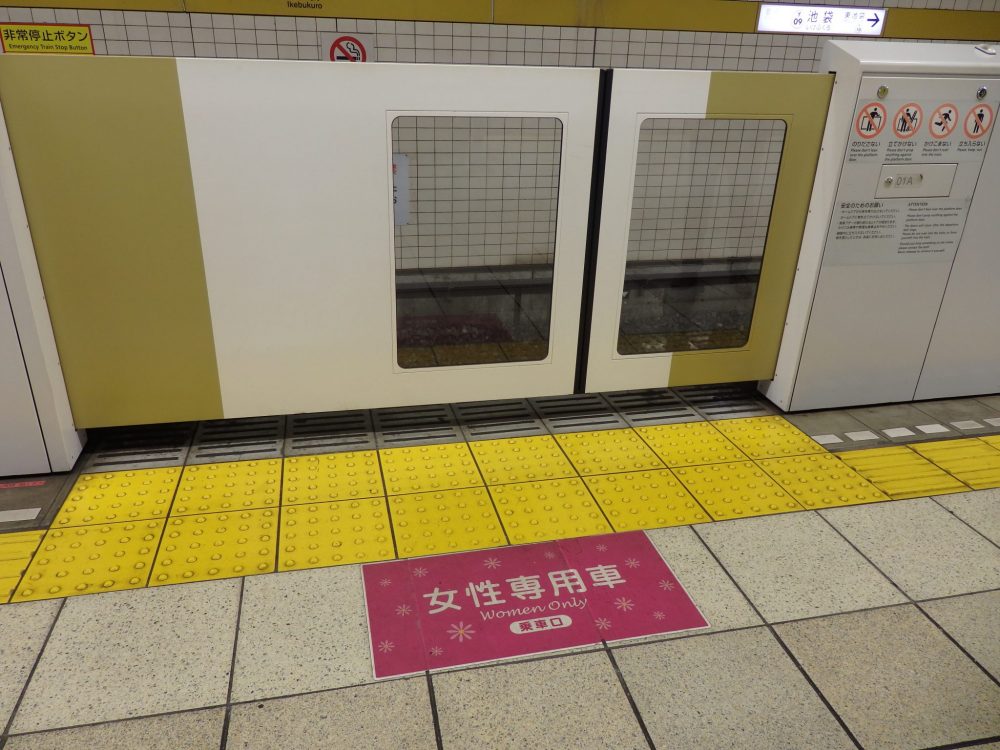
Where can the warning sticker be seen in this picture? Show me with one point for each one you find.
(944, 119)
(870, 120)
(47, 38)
(348, 49)
(907, 120)
(978, 121)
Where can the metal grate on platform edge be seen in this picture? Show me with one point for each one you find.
(651, 407)
(415, 425)
(330, 432)
(725, 401)
(486, 420)
(237, 440)
(145, 447)
(580, 413)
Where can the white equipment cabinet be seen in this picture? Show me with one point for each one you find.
(895, 295)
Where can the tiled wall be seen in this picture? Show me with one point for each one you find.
(440, 238)
(703, 188)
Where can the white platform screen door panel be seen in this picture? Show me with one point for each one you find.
(324, 294)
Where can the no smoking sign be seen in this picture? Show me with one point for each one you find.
(347, 47)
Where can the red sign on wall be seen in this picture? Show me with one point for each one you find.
(474, 607)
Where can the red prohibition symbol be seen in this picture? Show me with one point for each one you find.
(348, 49)
(870, 120)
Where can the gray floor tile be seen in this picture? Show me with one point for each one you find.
(393, 714)
(569, 702)
(134, 653)
(190, 730)
(796, 566)
(993, 402)
(720, 602)
(31, 502)
(728, 690)
(23, 628)
(895, 678)
(900, 417)
(924, 549)
(980, 509)
(835, 423)
(302, 631)
(962, 411)
(973, 621)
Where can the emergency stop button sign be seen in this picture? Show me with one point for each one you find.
(474, 607)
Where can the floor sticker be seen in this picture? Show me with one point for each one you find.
(474, 607)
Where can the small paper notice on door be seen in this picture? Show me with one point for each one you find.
(401, 189)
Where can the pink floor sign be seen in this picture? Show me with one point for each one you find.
(471, 607)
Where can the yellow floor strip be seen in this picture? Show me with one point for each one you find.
(972, 461)
(216, 545)
(555, 509)
(736, 490)
(690, 444)
(431, 523)
(119, 496)
(319, 535)
(901, 473)
(821, 481)
(608, 451)
(228, 487)
(768, 437)
(354, 475)
(87, 559)
(992, 440)
(429, 468)
(526, 459)
(645, 500)
(16, 550)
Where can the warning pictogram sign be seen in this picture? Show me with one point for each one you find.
(978, 121)
(870, 120)
(348, 49)
(943, 120)
(908, 120)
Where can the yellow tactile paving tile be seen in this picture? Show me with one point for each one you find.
(736, 490)
(227, 487)
(318, 535)
(901, 473)
(354, 475)
(16, 550)
(426, 468)
(88, 559)
(972, 461)
(554, 509)
(992, 440)
(690, 444)
(608, 451)
(821, 481)
(524, 459)
(645, 500)
(430, 523)
(768, 437)
(216, 545)
(119, 496)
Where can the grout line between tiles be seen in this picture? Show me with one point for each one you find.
(628, 696)
(958, 645)
(493, 504)
(968, 743)
(934, 498)
(434, 711)
(232, 667)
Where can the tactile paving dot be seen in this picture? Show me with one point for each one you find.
(901, 473)
(429, 523)
(690, 444)
(16, 550)
(87, 559)
(973, 461)
(768, 437)
(425, 468)
(315, 535)
(216, 545)
(736, 490)
(232, 486)
(354, 475)
(119, 496)
(821, 481)
(525, 459)
(646, 500)
(608, 451)
(555, 509)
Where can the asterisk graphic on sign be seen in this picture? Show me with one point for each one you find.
(601, 548)
(436, 651)
(625, 605)
(631, 563)
(659, 615)
(386, 646)
(419, 572)
(385, 582)
(549, 555)
(492, 563)
(602, 623)
(461, 632)
(666, 585)
(403, 610)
